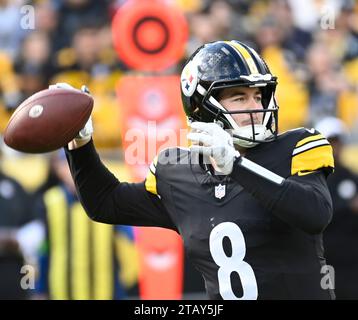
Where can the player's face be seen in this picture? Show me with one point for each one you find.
(242, 98)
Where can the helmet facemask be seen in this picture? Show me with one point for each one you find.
(250, 135)
(225, 64)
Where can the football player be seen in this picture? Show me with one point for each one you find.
(249, 203)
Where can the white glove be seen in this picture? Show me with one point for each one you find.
(61, 85)
(87, 131)
(211, 140)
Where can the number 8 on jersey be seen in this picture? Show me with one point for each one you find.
(233, 263)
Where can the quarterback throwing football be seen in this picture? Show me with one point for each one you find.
(249, 203)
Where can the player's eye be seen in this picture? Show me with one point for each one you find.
(239, 98)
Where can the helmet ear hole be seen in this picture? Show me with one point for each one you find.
(196, 109)
(217, 94)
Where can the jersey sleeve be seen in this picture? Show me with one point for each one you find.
(108, 200)
(302, 199)
(312, 152)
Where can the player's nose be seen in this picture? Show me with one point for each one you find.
(253, 103)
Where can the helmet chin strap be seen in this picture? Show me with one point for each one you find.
(261, 134)
(260, 130)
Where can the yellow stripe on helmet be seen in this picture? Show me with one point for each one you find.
(245, 53)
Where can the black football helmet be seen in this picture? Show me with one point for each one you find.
(224, 64)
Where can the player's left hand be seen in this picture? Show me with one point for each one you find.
(87, 131)
(212, 140)
(85, 134)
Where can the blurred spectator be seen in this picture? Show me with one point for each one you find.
(33, 65)
(217, 20)
(82, 259)
(10, 31)
(78, 61)
(269, 33)
(46, 18)
(347, 21)
(294, 40)
(74, 14)
(202, 30)
(222, 15)
(105, 77)
(21, 233)
(326, 82)
(341, 235)
(92, 60)
(292, 95)
(9, 93)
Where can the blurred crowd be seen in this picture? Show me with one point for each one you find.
(311, 45)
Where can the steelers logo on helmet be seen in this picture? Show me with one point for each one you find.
(189, 79)
(227, 64)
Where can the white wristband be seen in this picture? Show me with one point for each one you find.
(261, 171)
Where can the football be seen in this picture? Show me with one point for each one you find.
(48, 120)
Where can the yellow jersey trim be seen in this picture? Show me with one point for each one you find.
(309, 139)
(312, 159)
(151, 180)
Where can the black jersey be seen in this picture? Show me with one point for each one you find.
(249, 238)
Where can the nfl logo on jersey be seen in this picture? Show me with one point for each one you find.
(220, 191)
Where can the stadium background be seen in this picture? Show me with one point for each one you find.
(311, 45)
